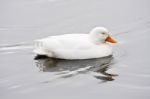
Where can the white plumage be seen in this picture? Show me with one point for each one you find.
(75, 46)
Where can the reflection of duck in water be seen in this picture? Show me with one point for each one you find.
(68, 68)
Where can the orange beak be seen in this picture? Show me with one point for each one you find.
(110, 39)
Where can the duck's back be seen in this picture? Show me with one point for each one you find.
(67, 41)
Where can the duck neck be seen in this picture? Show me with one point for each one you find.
(96, 39)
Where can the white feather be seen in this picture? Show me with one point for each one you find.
(73, 46)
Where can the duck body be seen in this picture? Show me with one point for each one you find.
(72, 46)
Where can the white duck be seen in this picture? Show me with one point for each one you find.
(76, 46)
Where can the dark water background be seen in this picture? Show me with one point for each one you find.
(126, 75)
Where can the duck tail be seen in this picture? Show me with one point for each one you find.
(39, 48)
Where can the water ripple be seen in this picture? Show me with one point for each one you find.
(13, 48)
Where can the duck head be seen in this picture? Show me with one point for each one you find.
(100, 35)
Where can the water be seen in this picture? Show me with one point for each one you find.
(124, 75)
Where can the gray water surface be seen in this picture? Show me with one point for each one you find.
(125, 75)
